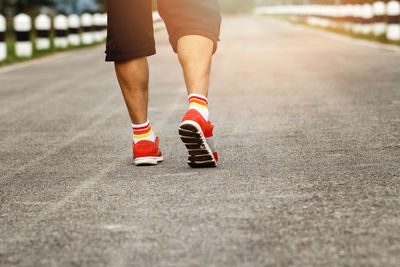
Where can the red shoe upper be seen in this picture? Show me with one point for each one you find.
(146, 148)
(206, 126)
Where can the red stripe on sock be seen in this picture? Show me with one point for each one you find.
(141, 132)
(198, 98)
(140, 128)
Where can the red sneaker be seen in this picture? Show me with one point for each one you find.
(196, 134)
(147, 153)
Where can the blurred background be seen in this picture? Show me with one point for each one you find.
(368, 19)
(12, 7)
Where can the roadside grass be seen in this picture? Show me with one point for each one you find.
(12, 58)
(370, 37)
(340, 30)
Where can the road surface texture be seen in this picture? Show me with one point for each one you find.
(308, 133)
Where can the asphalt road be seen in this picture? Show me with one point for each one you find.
(308, 132)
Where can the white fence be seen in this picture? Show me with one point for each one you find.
(3, 46)
(68, 31)
(378, 19)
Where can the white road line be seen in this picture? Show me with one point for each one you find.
(46, 212)
(79, 134)
(88, 183)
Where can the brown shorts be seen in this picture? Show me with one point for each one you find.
(130, 31)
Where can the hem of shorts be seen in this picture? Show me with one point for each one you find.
(116, 57)
(185, 32)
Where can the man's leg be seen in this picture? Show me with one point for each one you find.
(133, 78)
(130, 40)
(195, 53)
(193, 27)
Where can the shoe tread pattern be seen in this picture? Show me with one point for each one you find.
(199, 157)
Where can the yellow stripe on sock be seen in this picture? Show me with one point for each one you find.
(199, 106)
(143, 135)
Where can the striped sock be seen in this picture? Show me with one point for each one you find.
(199, 103)
(143, 132)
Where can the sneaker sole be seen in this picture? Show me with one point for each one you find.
(148, 161)
(200, 154)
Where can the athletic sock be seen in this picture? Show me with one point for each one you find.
(199, 103)
(143, 132)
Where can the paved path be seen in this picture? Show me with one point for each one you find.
(308, 132)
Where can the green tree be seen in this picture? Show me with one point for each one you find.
(103, 5)
(67, 6)
(12, 7)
